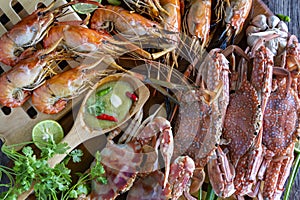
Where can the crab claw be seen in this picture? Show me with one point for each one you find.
(181, 171)
(162, 127)
(166, 143)
(221, 175)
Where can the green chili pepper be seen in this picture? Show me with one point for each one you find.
(284, 18)
(104, 91)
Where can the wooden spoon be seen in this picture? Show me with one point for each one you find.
(81, 132)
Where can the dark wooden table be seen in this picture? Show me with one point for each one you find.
(286, 7)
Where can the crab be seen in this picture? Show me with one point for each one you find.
(202, 112)
(137, 160)
(152, 185)
(242, 128)
(281, 130)
(292, 62)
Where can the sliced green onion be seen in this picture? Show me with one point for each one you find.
(104, 91)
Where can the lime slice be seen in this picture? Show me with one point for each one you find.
(46, 131)
(297, 146)
(85, 8)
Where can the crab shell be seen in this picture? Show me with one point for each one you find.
(192, 130)
(151, 186)
(242, 121)
(280, 120)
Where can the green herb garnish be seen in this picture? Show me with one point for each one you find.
(48, 182)
(96, 108)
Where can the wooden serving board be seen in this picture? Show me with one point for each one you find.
(16, 123)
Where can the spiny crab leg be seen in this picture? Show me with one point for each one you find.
(166, 143)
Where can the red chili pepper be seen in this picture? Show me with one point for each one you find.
(107, 117)
(132, 96)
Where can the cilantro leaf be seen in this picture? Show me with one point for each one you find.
(76, 155)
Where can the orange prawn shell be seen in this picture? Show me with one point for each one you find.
(23, 34)
(173, 20)
(198, 19)
(53, 95)
(20, 76)
(77, 37)
(124, 20)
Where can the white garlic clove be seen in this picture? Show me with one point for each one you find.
(273, 21)
(115, 100)
(282, 34)
(252, 29)
(260, 21)
(272, 45)
(283, 27)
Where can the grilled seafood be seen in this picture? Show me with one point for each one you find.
(153, 8)
(198, 20)
(16, 85)
(225, 187)
(201, 116)
(53, 95)
(156, 133)
(261, 79)
(87, 42)
(281, 119)
(235, 14)
(28, 32)
(124, 21)
(178, 184)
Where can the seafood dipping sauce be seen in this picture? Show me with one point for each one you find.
(109, 99)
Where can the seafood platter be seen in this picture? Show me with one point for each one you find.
(136, 99)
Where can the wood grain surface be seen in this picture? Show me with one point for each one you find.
(290, 8)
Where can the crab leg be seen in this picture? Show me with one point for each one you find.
(277, 173)
(222, 181)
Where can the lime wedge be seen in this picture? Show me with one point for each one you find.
(46, 131)
(297, 146)
(85, 8)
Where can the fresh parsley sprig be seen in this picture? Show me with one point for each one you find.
(96, 172)
(49, 182)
